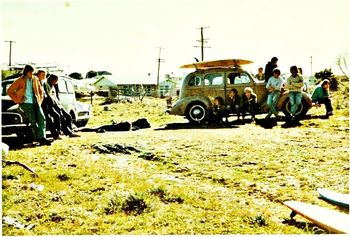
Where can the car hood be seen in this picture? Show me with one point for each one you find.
(80, 106)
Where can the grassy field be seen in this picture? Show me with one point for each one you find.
(174, 179)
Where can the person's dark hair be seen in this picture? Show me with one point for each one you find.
(52, 77)
(294, 68)
(260, 68)
(276, 70)
(234, 90)
(274, 60)
(220, 100)
(325, 81)
(40, 71)
(27, 68)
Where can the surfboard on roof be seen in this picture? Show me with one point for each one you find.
(218, 63)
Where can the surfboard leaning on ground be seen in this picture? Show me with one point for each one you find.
(336, 198)
(333, 221)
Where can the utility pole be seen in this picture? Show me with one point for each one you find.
(311, 64)
(202, 41)
(159, 60)
(10, 41)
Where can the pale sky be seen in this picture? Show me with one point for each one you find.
(122, 36)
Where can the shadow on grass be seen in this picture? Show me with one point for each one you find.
(178, 126)
(15, 143)
(305, 226)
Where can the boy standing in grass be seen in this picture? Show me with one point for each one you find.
(28, 93)
(274, 87)
(295, 84)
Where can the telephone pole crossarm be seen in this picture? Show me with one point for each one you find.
(202, 41)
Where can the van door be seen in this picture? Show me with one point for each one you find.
(239, 81)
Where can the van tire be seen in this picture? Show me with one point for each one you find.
(301, 111)
(197, 113)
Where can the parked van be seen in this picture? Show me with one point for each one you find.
(199, 89)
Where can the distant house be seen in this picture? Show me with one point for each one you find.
(170, 86)
(132, 89)
(105, 82)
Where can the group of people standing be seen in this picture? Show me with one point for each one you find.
(275, 85)
(40, 103)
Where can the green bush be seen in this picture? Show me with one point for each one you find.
(327, 74)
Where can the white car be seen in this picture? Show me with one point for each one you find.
(13, 119)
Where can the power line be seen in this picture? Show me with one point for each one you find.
(202, 41)
(10, 54)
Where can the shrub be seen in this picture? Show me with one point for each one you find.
(134, 204)
(327, 74)
(131, 204)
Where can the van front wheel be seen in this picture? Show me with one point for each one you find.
(197, 113)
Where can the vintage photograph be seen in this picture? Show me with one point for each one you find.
(175, 117)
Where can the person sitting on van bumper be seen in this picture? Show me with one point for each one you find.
(294, 84)
(320, 95)
(249, 102)
(274, 87)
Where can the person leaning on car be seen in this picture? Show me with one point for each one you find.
(28, 93)
(295, 83)
(53, 119)
(66, 119)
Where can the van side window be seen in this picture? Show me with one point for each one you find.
(238, 78)
(195, 81)
(62, 86)
(214, 79)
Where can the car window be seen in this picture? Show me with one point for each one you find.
(238, 78)
(70, 87)
(195, 81)
(5, 87)
(62, 86)
(213, 79)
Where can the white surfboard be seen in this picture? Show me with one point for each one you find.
(333, 221)
(336, 198)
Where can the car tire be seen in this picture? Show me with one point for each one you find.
(25, 135)
(301, 111)
(81, 123)
(197, 113)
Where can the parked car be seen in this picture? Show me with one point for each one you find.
(199, 88)
(13, 118)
